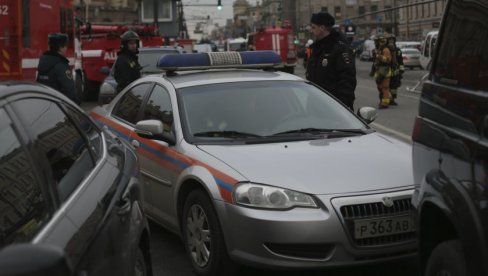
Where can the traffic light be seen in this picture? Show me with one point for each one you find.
(219, 5)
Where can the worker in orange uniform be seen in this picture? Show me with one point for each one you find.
(383, 72)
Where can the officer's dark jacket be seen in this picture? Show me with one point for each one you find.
(126, 69)
(331, 66)
(53, 70)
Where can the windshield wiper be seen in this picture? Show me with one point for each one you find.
(226, 134)
(315, 131)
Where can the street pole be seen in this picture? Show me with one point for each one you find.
(408, 21)
(155, 2)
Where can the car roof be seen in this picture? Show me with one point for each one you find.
(9, 88)
(158, 48)
(204, 77)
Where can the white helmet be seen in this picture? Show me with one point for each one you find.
(309, 42)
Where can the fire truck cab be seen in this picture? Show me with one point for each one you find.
(279, 40)
(100, 44)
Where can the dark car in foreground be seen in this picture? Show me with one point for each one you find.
(66, 183)
(450, 147)
(148, 58)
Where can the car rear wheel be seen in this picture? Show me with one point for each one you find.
(447, 259)
(140, 267)
(202, 236)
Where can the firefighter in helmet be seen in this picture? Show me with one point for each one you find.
(382, 71)
(397, 68)
(127, 68)
(53, 69)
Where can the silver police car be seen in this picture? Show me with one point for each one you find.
(263, 168)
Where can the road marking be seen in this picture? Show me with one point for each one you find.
(398, 134)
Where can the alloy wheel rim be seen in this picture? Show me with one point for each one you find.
(198, 235)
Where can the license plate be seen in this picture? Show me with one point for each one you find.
(367, 228)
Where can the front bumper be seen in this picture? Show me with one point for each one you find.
(305, 237)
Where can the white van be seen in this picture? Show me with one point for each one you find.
(428, 47)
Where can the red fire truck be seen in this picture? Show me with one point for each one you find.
(100, 44)
(23, 35)
(280, 40)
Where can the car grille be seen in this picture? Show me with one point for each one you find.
(376, 210)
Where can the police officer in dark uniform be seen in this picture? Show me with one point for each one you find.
(53, 69)
(127, 68)
(331, 63)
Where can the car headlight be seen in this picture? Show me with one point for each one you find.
(268, 197)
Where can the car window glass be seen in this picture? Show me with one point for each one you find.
(463, 60)
(23, 208)
(89, 130)
(129, 105)
(158, 107)
(59, 141)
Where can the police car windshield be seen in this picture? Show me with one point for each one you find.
(261, 108)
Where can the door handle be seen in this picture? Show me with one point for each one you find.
(135, 143)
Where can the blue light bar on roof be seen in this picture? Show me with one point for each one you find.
(198, 61)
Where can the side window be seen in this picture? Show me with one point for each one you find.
(23, 207)
(129, 105)
(158, 107)
(463, 53)
(59, 141)
(89, 130)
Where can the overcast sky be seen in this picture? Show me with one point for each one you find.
(195, 14)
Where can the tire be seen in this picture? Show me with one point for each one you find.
(447, 259)
(140, 267)
(91, 90)
(79, 87)
(202, 237)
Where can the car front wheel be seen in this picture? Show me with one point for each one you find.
(202, 236)
(447, 259)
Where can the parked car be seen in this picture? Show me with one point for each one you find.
(263, 168)
(450, 147)
(148, 58)
(409, 45)
(68, 184)
(411, 58)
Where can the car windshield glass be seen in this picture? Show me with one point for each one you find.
(149, 59)
(261, 108)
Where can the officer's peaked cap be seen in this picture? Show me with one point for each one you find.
(322, 18)
(57, 39)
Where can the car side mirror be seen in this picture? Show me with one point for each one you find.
(34, 259)
(154, 129)
(105, 70)
(368, 114)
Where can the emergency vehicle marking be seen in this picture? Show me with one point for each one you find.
(29, 63)
(91, 53)
(169, 158)
(276, 43)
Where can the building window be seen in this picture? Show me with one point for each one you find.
(165, 11)
(388, 13)
(374, 9)
(324, 9)
(337, 12)
(362, 10)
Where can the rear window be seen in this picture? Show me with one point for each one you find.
(463, 53)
